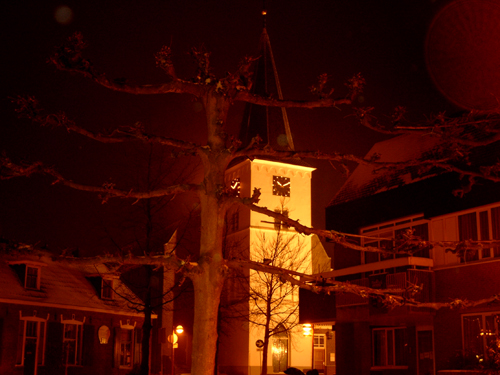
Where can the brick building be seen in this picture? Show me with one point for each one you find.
(60, 320)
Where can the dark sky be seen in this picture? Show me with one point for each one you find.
(384, 40)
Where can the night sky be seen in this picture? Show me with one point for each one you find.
(384, 40)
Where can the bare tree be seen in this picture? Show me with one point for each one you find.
(274, 303)
(209, 269)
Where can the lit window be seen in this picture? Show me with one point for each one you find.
(72, 342)
(389, 347)
(319, 341)
(479, 330)
(31, 341)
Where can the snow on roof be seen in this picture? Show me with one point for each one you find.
(62, 286)
(364, 182)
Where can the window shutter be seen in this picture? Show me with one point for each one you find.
(54, 348)
(88, 345)
(116, 333)
(20, 342)
(41, 340)
(137, 346)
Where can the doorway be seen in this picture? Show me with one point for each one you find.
(425, 352)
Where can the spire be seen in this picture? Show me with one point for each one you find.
(270, 123)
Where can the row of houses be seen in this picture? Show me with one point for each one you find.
(57, 318)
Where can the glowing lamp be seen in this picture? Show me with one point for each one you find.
(103, 334)
(307, 329)
(179, 329)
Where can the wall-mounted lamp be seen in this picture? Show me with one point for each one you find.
(307, 329)
(103, 334)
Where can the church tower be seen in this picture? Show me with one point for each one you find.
(286, 188)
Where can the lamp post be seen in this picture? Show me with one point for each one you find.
(173, 338)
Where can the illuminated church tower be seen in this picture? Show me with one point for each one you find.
(284, 187)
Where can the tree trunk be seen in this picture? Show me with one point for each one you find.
(267, 330)
(208, 281)
(146, 334)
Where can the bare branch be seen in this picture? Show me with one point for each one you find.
(29, 107)
(390, 297)
(69, 57)
(10, 170)
(246, 96)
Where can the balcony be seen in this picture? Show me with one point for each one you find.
(382, 265)
(400, 280)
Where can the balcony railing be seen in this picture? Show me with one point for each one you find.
(349, 299)
(401, 280)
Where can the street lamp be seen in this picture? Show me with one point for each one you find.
(173, 339)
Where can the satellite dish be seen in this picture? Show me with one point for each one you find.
(462, 52)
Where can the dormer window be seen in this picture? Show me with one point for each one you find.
(107, 291)
(32, 280)
(104, 285)
(29, 273)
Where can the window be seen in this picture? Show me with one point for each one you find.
(389, 347)
(467, 230)
(126, 350)
(29, 274)
(127, 345)
(32, 277)
(31, 341)
(495, 229)
(107, 291)
(479, 330)
(483, 225)
(72, 342)
(383, 237)
(319, 341)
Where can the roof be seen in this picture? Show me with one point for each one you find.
(364, 181)
(62, 286)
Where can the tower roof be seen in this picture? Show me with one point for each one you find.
(269, 123)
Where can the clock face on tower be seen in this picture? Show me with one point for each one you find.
(281, 186)
(235, 186)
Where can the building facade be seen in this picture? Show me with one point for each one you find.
(260, 307)
(373, 338)
(56, 319)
